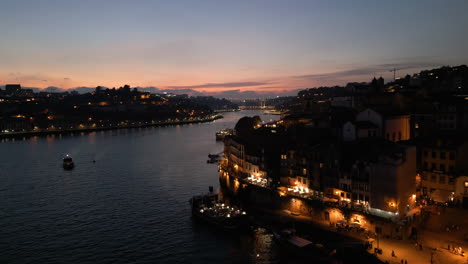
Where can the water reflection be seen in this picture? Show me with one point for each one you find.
(131, 205)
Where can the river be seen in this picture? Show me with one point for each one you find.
(130, 206)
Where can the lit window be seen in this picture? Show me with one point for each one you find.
(283, 156)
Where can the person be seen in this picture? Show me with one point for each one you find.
(402, 261)
(420, 246)
(393, 253)
(406, 261)
(449, 247)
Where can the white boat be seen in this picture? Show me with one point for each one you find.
(273, 112)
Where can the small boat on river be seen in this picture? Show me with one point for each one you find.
(68, 163)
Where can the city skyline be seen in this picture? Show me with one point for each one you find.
(220, 46)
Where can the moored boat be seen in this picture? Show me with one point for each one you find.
(220, 135)
(272, 112)
(207, 208)
(288, 239)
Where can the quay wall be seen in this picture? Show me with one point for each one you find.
(323, 214)
(91, 129)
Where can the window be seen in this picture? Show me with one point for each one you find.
(399, 135)
(466, 184)
(433, 178)
(283, 156)
(442, 179)
(451, 180)
(304, 171)
(442, 155)
(442, 167)
(433, 166)
(451, 168)
(434, 154)
(425, 166)
(452, 155)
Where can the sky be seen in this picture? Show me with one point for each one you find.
(231, 46)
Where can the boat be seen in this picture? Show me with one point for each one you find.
(272, 112)
(220, 135)
(288, 240)
(213, 158)
(208, 209)
(68, 163)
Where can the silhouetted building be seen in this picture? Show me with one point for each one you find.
(12, 89)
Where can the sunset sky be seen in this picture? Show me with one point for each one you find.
(225, 45)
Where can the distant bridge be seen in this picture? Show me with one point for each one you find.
(256, 107)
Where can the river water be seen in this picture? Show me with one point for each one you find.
(130, 206)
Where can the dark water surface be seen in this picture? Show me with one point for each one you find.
(131, 206)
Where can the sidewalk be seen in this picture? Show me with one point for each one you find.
(404, 249)
(408, 251)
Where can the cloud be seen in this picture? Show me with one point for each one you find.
(368, 70)
(221, 85)
(249, 94)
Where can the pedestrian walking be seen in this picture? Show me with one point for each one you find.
(402, 261)
(406, 261)
(393, 253)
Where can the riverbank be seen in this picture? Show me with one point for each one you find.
(341, 223)
(43, 132)
(347, 249)
(226, 110)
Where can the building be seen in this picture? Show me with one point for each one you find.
(390, 125)
(378, 175)
(443, 160)
(12, 89)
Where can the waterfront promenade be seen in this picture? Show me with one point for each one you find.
(39, 132)
(433, 243)
(433, 240)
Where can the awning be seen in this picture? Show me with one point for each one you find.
(299, 241)
(441, 196)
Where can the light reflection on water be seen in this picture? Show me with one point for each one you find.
(131, 205)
